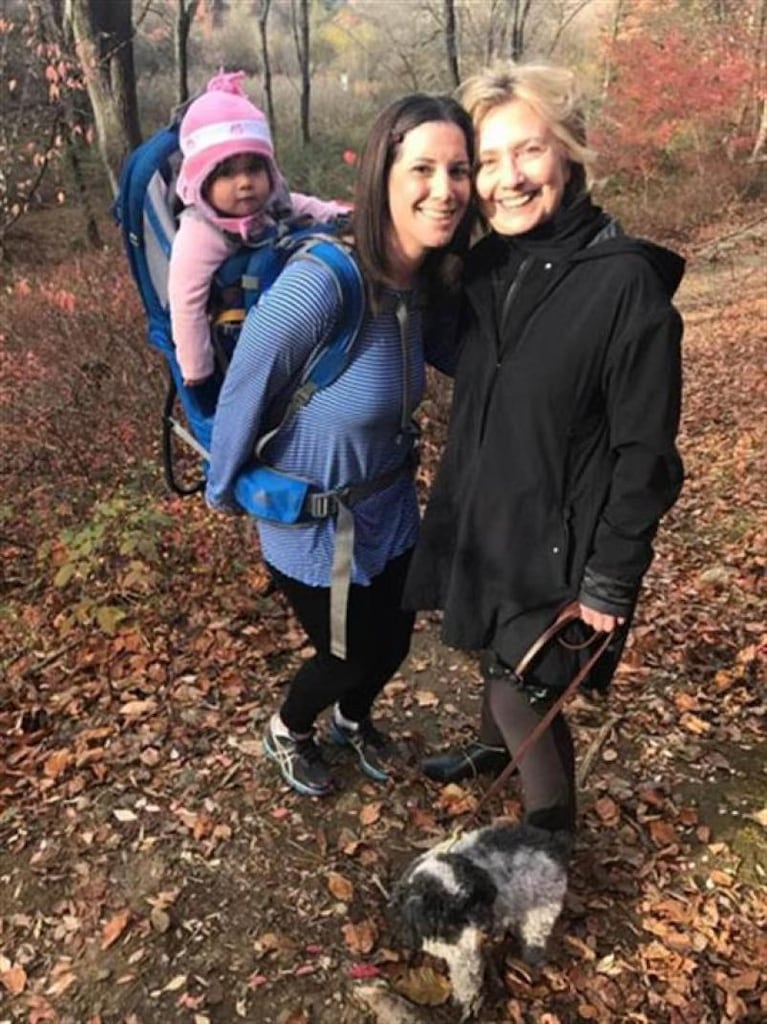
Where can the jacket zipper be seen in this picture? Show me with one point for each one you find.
(507, 304)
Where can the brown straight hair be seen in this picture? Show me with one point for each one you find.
(371, 219)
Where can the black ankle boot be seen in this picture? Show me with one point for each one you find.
(466, 762)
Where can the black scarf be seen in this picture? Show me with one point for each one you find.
(574, 224)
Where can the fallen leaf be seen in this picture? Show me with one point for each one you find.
(273, 942)
(694, 724)
(297, 1017)
(662, 832)
(114, 928)
(370, 813)
(123, 814)
(361, 972)
(134, 708)
(361, 937)
(721, 878)
(760, 817)
(454, 800)
(423, 985)
(61, 984)
(340, 886)
(607, 810)
(56, 763)
(14, 980)
(159, 919)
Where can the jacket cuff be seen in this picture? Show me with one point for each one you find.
(606, 594)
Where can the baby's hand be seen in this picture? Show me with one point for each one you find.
(195, 381)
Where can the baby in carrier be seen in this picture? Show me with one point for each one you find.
(233, 193)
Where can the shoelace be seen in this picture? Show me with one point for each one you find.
(309, 750)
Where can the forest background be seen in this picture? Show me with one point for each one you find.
(150, 869)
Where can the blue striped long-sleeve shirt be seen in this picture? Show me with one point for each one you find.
(349, 433)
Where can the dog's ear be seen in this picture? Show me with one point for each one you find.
(561, 845)
(477, 892)
(405, 915)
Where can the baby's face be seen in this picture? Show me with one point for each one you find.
(239, 186)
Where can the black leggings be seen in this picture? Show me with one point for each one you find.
(378, 635)
(547, 771)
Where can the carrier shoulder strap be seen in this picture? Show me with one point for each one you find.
(331, 357)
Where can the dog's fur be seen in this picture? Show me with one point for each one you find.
(495, 879)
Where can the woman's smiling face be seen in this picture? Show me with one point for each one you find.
(429, 189)
(523, 168)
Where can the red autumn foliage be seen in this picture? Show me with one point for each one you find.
(673, 102)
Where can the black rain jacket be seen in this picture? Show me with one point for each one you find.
(561, 454)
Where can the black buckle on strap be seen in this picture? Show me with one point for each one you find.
(321, 506)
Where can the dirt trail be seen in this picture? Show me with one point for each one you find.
(153, 870)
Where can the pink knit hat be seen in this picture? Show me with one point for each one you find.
(219, 124)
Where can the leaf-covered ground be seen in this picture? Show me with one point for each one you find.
(152, 868)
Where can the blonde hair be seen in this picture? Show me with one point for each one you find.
(553, 93)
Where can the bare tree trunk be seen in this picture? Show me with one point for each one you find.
(51, 27)
(565, 19)
(607, 78)
(103, 35)
(520, 11)
(759, 152)
(451, 43)
(263, 17)
(760, 59)
(301, 38)
(185, 12)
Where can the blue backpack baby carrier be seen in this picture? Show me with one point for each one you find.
(146, 209)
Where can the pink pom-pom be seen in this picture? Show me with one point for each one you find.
(227, 81)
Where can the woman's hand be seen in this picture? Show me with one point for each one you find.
(599, 621)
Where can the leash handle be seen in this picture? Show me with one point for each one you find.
(565, 617)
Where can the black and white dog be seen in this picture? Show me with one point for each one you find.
(495, 879)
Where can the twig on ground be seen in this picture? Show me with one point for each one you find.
(596, 745)
(730, 234)
(380, 886)
(54, 656)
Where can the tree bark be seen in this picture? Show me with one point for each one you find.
(52, 29)
(760, 60)
(263, 17)
(451, 43)
(614, 30)
(301, 38)
(185, 12)
(520, 11)
(759, 152)
(103, 34)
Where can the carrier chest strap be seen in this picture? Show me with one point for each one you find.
(340, 504)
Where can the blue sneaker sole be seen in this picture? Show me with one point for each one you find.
(299, 787)
(341, 740)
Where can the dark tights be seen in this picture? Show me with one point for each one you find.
(547, 771)
(378, 639)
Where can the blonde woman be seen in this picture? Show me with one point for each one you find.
(561, 455)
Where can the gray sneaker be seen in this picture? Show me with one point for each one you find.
(375, 750)
(300, 762)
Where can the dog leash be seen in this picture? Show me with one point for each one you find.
(565, 617)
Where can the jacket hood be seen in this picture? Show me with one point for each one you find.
(579, 232)
(278, 207)
(668, 265)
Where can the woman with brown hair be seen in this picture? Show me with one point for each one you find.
(354, 438)
(561, 454)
